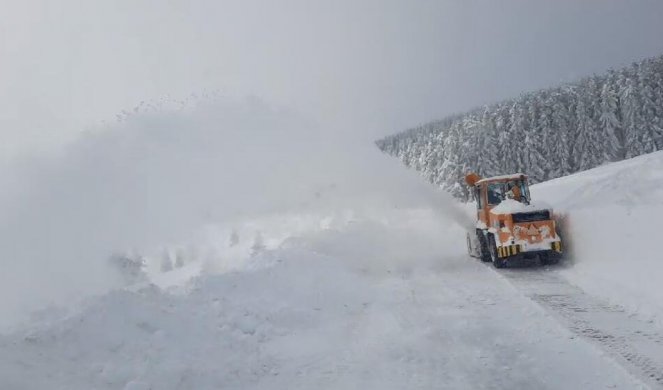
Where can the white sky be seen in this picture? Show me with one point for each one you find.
(371, 67)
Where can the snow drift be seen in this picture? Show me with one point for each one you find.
(612, 215)
(212, 182)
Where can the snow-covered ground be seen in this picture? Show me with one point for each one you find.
(309, 266)
(386, 302)
(614, 213)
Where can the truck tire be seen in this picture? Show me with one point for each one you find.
(483, 247)
(492, 247)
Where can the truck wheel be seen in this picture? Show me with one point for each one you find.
(497, 261)
(483, 247)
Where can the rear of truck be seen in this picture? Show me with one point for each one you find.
(527, 234)
(508, 225)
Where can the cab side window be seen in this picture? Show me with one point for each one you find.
(494, 194)
(524, 189)
(479, 199)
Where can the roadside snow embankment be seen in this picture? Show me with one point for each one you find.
(196, 189)
(280, 318)
(614, 213)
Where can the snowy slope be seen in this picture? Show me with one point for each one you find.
(614, 214)
(374, 303)
(177, 184)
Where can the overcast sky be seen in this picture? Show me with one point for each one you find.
(370, 67)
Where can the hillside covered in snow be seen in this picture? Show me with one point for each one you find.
(613, 213)
(548, 133)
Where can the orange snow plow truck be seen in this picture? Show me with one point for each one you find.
(509, 226)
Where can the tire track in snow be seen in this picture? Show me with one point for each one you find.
(635, 343)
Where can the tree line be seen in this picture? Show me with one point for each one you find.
(545, 134)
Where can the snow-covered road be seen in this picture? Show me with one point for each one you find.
(636, 342)
(312, 321)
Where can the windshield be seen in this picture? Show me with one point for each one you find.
(512, 189)
(517, 190)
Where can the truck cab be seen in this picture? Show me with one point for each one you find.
(509, 226)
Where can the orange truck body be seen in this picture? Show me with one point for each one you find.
(517, 229)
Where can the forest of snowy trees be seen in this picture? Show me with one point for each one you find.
(545, 134)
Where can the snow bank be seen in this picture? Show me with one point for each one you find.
(387, 303)
(167, 185)
(614, 214)
(281, 322)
